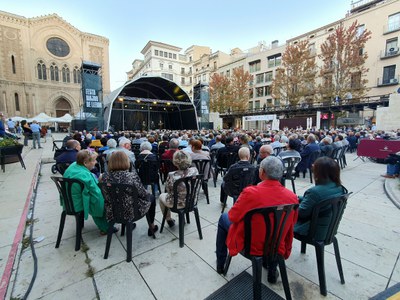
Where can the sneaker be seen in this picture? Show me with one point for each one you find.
(273, 276)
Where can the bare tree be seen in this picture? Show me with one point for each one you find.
(295, 80)
(343, 57)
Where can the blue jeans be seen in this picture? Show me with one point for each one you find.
(393, 169)
(36, 137)
(222, 251)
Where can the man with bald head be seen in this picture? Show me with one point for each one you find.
(69, 154)
(232, 179)
(265, 151)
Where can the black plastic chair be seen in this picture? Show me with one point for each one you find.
(274, 217)
(333, 207)
(135, 149)
(166, 166)
(242, 178)
(289, 172)
(113, 194)
(62, 167)
(64, 186)
(313, 156)
(192, 185)
(148, 173)
(226, 160)
(204, 167)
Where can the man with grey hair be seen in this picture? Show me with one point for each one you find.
(173, 147)
(269, 192)
(125, 145)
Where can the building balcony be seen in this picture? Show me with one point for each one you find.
(391, 52)
(381, 82)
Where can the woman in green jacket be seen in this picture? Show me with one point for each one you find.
(90, 199)
(327, 185)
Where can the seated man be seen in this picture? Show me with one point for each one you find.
(269, 192)
(232, 181)
(69, 154)
(393, 165)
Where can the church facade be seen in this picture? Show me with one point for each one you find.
(40, 65)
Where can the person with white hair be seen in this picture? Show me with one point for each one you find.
(269, 192)
(124, 144)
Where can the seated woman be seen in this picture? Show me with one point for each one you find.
(327, 184)
(182, 161)
(198, 153)
(118, 172)
(90, 200)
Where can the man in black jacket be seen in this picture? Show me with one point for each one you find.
(238, 176)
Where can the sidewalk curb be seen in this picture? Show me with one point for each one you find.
(5, 279)
(393, 195)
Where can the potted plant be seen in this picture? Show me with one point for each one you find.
(10, 152)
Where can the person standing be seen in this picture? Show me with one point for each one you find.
(11, 126)
(35, 127)
(27, 131)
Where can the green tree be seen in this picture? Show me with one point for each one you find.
(295, 80)
(343, 57)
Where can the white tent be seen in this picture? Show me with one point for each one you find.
(67, 117)
(17, 118)
(41, 118)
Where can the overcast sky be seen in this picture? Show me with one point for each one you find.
(220, 24)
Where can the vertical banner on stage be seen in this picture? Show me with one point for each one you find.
(318, 120)
(92, 95)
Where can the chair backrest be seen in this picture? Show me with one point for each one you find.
(336, 153)
(161, 148)
(64, 186)
(277, 150)
(147, 170)
(102, 160)
(241, 178)
(203, 166)
(120, 202)
(290, 163)
(135, 149)
(62, 167)
(191, 185)
(331, 209)
(227, 159)
(213, 155)
(275, 218)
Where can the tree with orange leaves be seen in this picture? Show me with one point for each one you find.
(343, 57)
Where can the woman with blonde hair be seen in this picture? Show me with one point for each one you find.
(183, 162)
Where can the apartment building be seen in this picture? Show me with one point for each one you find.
(382, 18)
(40, 64)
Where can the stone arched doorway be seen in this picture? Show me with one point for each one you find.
(62, 107)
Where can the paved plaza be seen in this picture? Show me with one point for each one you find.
(369, 239)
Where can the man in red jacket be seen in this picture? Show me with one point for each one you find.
(269, 192)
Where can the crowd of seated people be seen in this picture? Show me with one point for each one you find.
(182, 147)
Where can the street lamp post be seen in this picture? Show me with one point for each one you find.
(121, 99)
